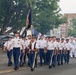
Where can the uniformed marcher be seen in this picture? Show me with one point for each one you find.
(72, 42)
(27, 49)
(68, 48)
(59, 51)
(23, 54)
(42, 50)
(50, 48)
(54, 52)
(17, 45)
(33, 47)
(63, 50)
(75, 48)
(37, 50)
(8, 47)
(46, 54)
(25, 45)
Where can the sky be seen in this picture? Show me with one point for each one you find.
(67, 6)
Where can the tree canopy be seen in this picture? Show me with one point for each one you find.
(72, 29)
(45, 14)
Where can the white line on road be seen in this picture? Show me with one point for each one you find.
(11, 70)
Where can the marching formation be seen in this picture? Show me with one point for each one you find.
(32, 50)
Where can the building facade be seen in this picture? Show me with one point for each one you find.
(62, 30)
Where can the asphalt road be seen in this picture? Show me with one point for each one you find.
(44, 70)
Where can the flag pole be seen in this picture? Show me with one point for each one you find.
(28, 21)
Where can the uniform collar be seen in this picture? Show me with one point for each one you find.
(17, 38)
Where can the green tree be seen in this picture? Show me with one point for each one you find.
(45, 14)
(12, 14)
(72, 29)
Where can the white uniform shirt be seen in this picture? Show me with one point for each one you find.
(33, 44)
(63, 45)
(17, 42)
(42, 44)
(28, 42)
(59, 45)
(50, 46)
(55, 44)
(72, 42)
(68, 46)
(24, 43)
(8, 45)
(37, 46)
(75, 46)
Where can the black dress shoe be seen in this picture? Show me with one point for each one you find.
(58, 64)
(32, 69)
(21, 65)
(53, 65)
(16, 68)
(29, 65)
(9, 65)
(11, 62)
(61, 63)
(50, 66)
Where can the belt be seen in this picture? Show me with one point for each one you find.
(16, 48)
(41, 48)
(32, 51)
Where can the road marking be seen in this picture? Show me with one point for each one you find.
(11, 70)
(6, 71)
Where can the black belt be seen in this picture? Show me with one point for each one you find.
(41, 48)
(32, 51)
(16, 48)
